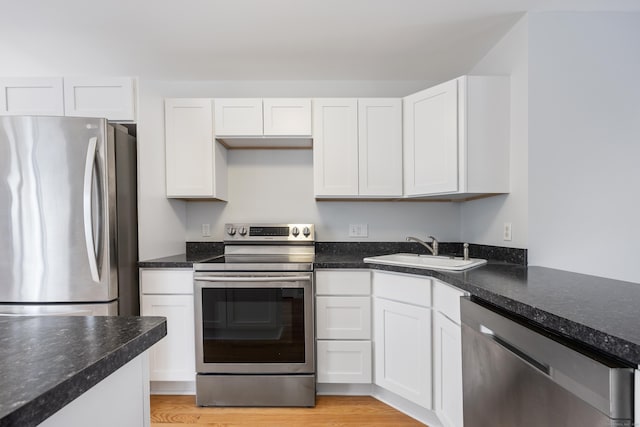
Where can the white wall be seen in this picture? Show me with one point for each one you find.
(277, 185)
(483, 220)
(162, 223)
(584, 143)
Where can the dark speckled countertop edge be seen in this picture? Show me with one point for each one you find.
(35, 411)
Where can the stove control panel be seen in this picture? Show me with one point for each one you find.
(244, 232)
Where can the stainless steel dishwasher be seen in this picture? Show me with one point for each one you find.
(514, 375)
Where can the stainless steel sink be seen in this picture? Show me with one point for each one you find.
(426, 261)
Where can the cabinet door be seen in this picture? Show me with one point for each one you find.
(343, 318)
(287, 116)
(380, 147)
(447, 348)
(344, 362)
(403, 350)
(431, 140)
(108, 97)
(172, 358)
(195, 163)
(335, 147)
(31, 96)
(238, 116)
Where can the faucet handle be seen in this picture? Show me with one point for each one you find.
(434, 239)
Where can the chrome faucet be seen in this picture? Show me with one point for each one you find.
(433, 248)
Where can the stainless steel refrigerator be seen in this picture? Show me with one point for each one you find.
(68, 217)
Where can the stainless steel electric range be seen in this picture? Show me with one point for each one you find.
(255, 318)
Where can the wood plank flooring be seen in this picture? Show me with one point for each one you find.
(334, 411)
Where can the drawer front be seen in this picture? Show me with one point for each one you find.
(343, 318)
(166, 281)
(343, 282)
(410, 289)
(446, 299)
(344, 362)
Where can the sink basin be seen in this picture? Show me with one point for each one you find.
(426, 261)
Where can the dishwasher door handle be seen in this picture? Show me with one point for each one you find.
(527, 358)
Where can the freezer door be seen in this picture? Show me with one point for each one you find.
(57, 207)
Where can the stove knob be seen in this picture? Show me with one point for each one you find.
(295, 231)
(306, 231)
(231, 231)
(242, 231)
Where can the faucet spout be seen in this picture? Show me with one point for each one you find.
(433, 248)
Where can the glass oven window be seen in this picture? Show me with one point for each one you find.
(253, 325)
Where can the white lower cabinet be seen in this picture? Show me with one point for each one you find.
(403, 350)
(417, 339)
(343, 326)
(447, 360)
(169, 293)
(344, 361)
(447, 354)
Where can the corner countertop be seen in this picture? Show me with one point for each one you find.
(598, 312)
(601, 313)
(48, 361)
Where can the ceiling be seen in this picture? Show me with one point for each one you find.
(264, 39)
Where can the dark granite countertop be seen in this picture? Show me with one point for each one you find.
(174, 261)
(598, 312)
(48, 361)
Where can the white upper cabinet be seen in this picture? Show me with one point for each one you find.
(238, 116)
(380, 147)
(456, 138)
(263, 123)
(287, 116)
(431, 140)
(112, 98)
(196, 165)
(335, 147)
(357, 148)
(108, 97)
(31, 96)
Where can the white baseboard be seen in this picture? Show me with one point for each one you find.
(403, 405)
(173, 387)
(326, 389)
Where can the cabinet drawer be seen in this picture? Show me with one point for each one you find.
(343, 318)
(446, 299)
(404, 288)
(173, 281)
(343, 282)
(344, 362)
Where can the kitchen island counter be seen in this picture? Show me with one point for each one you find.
(48, 361)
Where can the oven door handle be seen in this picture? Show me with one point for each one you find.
(253, 278)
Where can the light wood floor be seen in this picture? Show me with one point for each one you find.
(334, 411)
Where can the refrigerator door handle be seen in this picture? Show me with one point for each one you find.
(87, 213)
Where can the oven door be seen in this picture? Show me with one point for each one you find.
(254, 323)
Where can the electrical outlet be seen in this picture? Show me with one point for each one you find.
(358, 230)
(206, 230)
(506, 233)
